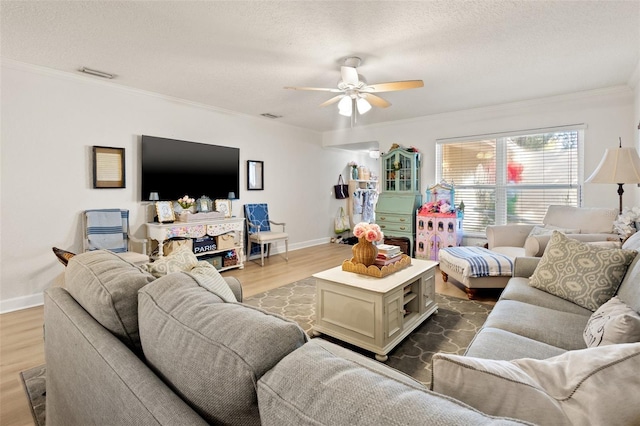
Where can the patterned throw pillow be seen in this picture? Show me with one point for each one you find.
(548, 230)
(182, 259)
(581, 273)
(209, 278)
(614, 322)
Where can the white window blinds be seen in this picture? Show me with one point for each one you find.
(511, 179)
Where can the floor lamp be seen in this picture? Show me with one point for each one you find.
(619, 165)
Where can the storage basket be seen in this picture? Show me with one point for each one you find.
(225, 241)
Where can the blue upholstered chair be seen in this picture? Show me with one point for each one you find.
(108, 229)
(259, 231)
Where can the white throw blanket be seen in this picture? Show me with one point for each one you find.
(476, 262)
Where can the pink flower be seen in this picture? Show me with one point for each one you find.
(370, 231)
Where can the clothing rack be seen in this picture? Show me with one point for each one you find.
(362, 203)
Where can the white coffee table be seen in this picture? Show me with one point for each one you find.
(374, 313)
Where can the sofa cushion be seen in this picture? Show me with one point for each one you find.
(589, 386)
(556, 328)
(595, 220)
(107, 287)
(212, 353)
(520, 290)
(494, 343)
(314, 386)
(614, 322)
(584, 274)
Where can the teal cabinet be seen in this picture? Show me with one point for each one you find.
(400, 196)
(401, 171)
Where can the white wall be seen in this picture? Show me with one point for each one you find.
(50, 121)
(607, 114)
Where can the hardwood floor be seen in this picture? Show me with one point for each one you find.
(21, 344)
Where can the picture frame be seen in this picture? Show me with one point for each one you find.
(223, 206)
(108, 167)
(255, 175)
(165, 212)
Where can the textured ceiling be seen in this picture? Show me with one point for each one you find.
(239, 55)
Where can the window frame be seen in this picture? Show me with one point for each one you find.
(501, 185)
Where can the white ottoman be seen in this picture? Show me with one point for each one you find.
(475, 268)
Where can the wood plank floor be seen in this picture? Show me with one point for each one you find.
(21, 345)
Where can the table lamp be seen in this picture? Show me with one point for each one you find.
(619, 165)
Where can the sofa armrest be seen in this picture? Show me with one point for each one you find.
(93, 378)
(235, 286)
(524, 266)
(507, 235)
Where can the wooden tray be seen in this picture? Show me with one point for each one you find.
(376, 271)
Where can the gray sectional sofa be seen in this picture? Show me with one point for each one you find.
(124, 347)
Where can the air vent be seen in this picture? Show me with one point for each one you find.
(269, 115)
(97, 73)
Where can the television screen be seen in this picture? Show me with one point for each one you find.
(175, 168)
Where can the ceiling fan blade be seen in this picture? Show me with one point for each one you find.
(320, 89)
(393, 86)
(331, 101)
(349, 75)
(376, 100)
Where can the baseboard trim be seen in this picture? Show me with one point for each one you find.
(23, 302)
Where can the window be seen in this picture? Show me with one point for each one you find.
(511, 179)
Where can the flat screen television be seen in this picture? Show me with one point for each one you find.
(174, 168)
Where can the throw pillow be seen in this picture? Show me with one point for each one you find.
(614, 322)
(179, 260)
(587, 386)
(548, 230)
(210, 279)
(62, 255)
(579, 272)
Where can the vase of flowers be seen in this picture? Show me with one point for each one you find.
(364, 251)
(187, 204)
(627, 222)
(354, 169)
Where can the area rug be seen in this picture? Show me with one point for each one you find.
(450, 330)
(34, 385)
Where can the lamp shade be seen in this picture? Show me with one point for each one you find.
(619, 165)
(345, 106)
(363, 105)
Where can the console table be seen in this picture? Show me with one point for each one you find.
(213, 227)
(374, 313)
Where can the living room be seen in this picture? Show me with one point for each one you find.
(51, 118)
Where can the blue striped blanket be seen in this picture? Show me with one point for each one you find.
(476, 262)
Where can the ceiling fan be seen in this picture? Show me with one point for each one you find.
(356, 96)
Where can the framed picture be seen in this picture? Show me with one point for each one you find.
(255, 175)
(108, 167)
(165, 212)
(223, 206)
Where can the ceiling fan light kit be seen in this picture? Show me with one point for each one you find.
(356, 95)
